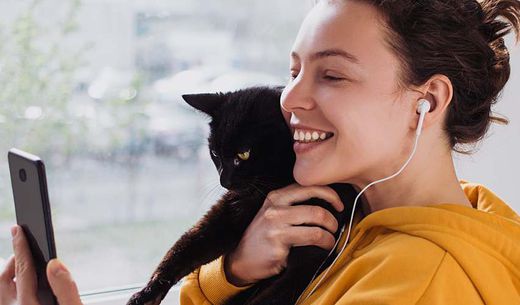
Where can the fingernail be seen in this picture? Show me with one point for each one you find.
(14, 230)
(59, 269)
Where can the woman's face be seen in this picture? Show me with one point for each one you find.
(344, 82)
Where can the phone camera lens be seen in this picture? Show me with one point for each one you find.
(23, 175)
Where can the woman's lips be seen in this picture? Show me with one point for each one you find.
(304, 147)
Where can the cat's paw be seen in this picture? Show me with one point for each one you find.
(152, 294)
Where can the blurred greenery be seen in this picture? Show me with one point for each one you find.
(128, 133)
(123, 159)
(41, 106)
(37, 73)
(37, 77)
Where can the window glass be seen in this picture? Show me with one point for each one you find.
(94, 88)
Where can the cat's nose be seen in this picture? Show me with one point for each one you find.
(225, 182)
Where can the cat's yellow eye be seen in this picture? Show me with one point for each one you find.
(244, 156)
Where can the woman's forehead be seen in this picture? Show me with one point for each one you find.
(350, 26)
(354, 27)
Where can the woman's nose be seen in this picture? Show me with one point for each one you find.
(297, 95)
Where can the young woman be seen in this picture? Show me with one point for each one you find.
(360, 71)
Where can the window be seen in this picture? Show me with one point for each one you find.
(95, 91)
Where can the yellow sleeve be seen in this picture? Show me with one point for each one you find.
(208, 285)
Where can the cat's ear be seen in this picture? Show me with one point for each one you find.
(205, 102)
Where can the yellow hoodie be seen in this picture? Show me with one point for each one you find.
(424, 255)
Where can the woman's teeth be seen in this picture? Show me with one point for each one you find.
(310, 136)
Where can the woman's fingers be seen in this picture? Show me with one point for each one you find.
(7, 274)
(62, 283)
(303, 215)
(279, 225)
(308, 236)
(296, 193)
(26, 283)
(22, 268)
(7, 285)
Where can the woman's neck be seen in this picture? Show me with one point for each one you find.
(427, 180)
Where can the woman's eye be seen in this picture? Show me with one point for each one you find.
(327, 77)
(332, 78)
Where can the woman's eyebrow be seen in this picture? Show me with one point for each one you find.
(330, 52)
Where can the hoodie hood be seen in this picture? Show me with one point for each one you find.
(484, 240)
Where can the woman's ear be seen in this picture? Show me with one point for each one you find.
(438, 90)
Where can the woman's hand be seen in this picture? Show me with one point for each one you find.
(7, 287)
(23, 291)
(264, 247)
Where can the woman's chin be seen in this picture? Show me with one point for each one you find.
(315, 175)
(306, 177)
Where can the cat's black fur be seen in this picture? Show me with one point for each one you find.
(247, 119)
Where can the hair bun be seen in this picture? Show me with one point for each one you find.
(499, 18)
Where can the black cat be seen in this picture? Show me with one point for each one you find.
(251, 146)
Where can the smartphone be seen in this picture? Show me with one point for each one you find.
(33, 214)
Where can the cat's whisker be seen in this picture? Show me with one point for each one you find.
(217, 188)
(209, 188)
(210, 193)
(268, 184)
(258, 189)
(264, 182)
(210, 184)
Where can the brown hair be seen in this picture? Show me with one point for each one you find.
(462, 39)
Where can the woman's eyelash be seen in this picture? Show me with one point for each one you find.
(332, 78)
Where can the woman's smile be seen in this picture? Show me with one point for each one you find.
(303, 147)
(307, 138)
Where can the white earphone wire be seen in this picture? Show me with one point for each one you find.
(423, 111)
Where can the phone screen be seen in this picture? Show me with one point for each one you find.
(33, 213)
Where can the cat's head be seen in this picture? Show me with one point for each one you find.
(249, 141)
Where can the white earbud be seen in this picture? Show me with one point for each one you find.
(422, 109)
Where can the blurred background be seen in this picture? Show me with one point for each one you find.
(94, 88)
